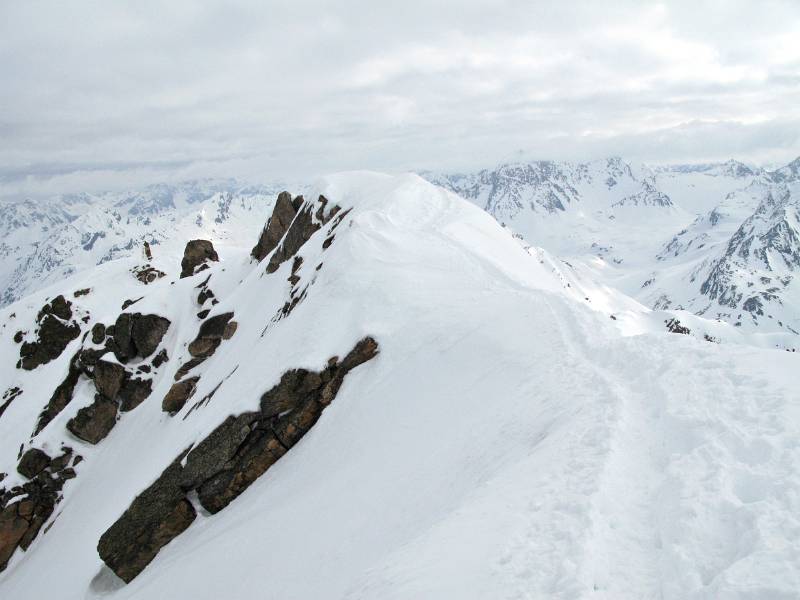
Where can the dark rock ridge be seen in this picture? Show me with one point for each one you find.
(292, 223)
(24, 509)
(196, 256)
(225, 463)
(56, 330)
(277, 225)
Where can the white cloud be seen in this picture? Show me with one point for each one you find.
(280, 90)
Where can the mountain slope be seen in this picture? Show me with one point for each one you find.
(507, 440)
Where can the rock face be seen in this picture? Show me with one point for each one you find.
(225, 463)
(56, 330)
(24, 509)
(292, 223)
(278, 224)
(196, 256)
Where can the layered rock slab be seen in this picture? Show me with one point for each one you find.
(225, 463)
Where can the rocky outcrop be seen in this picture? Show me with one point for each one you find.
(94, 422)
(179, 394)
(292, 223)
(225, 463)
(56, 330)
(24, 509)
(147, 274)
(62, 394)
(135, 334)
(278, 224)
(211, 334)
(196, 256)
(33, 462)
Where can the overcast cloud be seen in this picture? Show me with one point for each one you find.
(108, 94)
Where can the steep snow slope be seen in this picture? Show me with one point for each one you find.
(510, 440)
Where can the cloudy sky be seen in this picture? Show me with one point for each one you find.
(115, 94)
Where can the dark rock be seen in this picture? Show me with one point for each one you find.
(674, 326)
(158, 515)
(134, 391)
(8, 397)
(327, 243)
(301, 229)
(203, 313)
(188, 366)
(98, 333)
(128, 303)
(26, 508)
(179, 394)
(230, 330)
(61, 462)
(55, 333)
(108, 378)
(18, 337)
(137, 334)
(210, 335)
(12, 529)
(148, 253)
(62, 394)
(197, 253)
(147, 333)
(278, 224)
(94, 422)
(33, 462)
(90, 356)
(225, 463)
(160, 358)
(147, 274)
(81, 292)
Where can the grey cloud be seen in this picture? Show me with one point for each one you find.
(104, 94)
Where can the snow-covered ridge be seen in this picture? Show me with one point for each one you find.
(675, 236)
(522, 430)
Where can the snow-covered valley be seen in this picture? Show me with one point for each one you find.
(529, 423)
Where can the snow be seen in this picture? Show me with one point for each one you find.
(509, 441)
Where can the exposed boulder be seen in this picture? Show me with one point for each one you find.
(196, 256)
(56, 330)
(135, 334)
(225, 463)
(179, 394)
(33, 462)
(156, 516)
(94, 422)
(278, 224)
(210, 336)
(147, 333)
